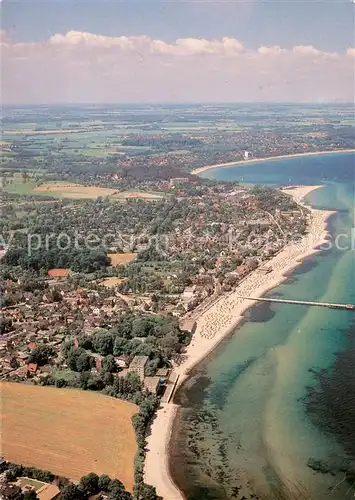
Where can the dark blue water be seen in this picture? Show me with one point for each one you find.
(302, 170)
(271, 414)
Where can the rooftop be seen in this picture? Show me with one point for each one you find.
(32, 367)
(151, 384)
(58, 273)
(139, 362)
(162, 372)
(48, 492)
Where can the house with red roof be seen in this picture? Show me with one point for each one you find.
(58, 273)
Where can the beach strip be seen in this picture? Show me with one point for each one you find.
(218, 321)
(236, 163)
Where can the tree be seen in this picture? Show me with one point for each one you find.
(109, 364)
(253, 264)
(71, 492)
(117, 491)
(104, 482)
(147, 407)
(127, 385)
(116, 484)
(117, 494)
(67, 346)
(103, 343)
(5, 325)
(85, 342)
(30, 495)
(60, 382)
(89, 484)
(134, 383)
(108, 378)
(41, 354)
(83, 362)
(142, 326)
(56, 296)
(71, 356)
(147, 492)
(84, 380)
(120, 346)
(95, 383)
(14, 362)
(170, 343)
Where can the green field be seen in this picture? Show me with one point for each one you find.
(22, 188)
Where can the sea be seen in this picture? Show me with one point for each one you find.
(270, 414)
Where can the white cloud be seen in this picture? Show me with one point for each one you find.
(273, 50)
(307, 50)
(82, 66)
(182, 46)
(189, 46)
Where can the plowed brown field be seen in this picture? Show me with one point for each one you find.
(67, 431)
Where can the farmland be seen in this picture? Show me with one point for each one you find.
(111, 282)
(137, 194)
(118, 259)
(58, 189)
(70, 190)
(72, 431)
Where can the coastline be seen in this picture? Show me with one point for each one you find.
(199, 170)
(215, 323)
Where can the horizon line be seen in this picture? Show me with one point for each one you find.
(176, 103)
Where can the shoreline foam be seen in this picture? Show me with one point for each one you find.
(199, 170)
(218, 321)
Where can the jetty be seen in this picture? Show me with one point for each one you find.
(349, 307)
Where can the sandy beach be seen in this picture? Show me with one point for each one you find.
(215, 323)
(256, 160)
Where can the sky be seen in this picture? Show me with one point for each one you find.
(177, 51)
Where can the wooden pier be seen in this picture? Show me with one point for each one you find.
(349, 307)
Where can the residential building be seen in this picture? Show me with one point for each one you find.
(177, 181)
(58, 273)
(9, 492)
(138, 366)
(44, 491)
(32, 369)
(152, 384)
(188, 293)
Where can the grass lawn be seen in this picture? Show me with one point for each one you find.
(21, 187)
(111, 281)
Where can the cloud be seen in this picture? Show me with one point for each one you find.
(273, 50)
(87, 67)
(190, 46)
(182, 46)
(307, 50)
(75, 38)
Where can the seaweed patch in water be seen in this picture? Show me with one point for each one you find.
(331, 401)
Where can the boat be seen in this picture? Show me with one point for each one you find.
(351, 307)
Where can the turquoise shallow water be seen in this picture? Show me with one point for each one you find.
(246, 427)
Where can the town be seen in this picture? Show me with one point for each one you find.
(111, 249)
